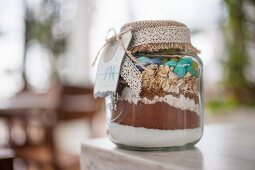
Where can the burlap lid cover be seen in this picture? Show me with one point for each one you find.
(159, 34)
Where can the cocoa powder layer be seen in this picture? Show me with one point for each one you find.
(154, 116)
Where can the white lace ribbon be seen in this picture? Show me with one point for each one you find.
(163, 34)
(131, 75)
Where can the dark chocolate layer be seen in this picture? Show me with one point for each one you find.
(154, 116)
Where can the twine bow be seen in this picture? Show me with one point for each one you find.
(117, 37)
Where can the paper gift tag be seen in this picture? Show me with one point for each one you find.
(109, 66)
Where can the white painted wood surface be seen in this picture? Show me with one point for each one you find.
(223, 146)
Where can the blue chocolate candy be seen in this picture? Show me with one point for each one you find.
(144, 60)
(188, 68)
(183, 63)
(156, 61)
(188, 60)
(192, 71)
(179, 71)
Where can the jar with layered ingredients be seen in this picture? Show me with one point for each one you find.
(158, 103)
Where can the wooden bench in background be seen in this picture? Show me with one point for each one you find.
(34, 111)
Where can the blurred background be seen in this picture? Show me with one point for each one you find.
(47, 46)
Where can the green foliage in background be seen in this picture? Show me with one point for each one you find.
(43, 26)
(40, 28)
(238, 37)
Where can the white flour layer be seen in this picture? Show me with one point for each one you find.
(178, 102)
(143, 137)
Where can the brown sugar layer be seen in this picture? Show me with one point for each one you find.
(154, 116)
(160, 93)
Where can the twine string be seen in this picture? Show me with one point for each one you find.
(117, 38)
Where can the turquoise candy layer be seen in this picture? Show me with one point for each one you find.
(170, 63)
(179, 71)
(181, 67)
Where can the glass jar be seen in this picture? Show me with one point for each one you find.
(168, 112)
